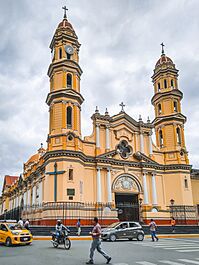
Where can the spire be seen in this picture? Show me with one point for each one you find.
(162, 44)
(65, 8)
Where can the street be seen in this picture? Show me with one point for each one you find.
(165, 251)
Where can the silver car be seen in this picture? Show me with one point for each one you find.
(120, 230)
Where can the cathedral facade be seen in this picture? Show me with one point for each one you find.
(117, 171)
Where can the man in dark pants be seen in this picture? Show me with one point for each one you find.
(96, 244)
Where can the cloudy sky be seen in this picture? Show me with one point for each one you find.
(120, 46)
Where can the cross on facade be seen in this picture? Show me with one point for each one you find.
(162, 44)
(122, 105)
(55, 173)
(65, 8)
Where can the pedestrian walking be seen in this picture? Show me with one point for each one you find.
(153, 229)
(27, 224)
(96, 243)
(20, 223)
(78, 225)
(173, 224)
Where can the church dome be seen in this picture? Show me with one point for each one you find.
(65, 24)
(163, 60)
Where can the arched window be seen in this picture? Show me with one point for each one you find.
(165, 83)
(175, 106)
(159, 109)
(69, 80)
(69, 117)
(68, 56)
(158, 86)
(161, 138)
(60, 53)
(178, 135)
(172, 83)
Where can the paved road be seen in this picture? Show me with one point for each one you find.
(165, 251)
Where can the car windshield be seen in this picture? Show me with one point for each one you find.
(13, 227)
(113, 225)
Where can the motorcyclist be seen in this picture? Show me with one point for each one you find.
(60, 228)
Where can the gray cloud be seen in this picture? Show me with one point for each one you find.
(120, 45)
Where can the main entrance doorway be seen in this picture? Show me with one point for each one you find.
(128, 206)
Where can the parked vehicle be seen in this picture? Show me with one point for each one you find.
(63, 239)
(122, 230)
(12, 234)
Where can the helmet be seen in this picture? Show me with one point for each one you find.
(59, 222)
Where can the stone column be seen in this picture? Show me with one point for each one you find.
(154, 191)
(33, 195)
(99, 188)
(107, 137)
(109, 191)
(40, 192)
(97, 136)
(150, 144)
(141, 143)
(145, 189)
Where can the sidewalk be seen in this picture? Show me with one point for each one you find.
(146, 236)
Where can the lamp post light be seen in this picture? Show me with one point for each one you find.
(140, 210)
(172, 201)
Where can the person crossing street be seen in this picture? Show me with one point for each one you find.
(96, 243)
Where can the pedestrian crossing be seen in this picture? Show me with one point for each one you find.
(171, 262)
(185, 246)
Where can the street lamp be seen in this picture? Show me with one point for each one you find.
(140, 210)
(172, 203)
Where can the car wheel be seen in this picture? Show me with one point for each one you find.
(140, 237)
(8, 242)
(112, 237)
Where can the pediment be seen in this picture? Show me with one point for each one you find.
(143, 158)
(123, 132)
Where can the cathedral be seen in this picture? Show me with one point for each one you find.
(116, 173)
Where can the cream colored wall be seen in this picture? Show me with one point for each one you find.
(174, 189)
(195, 190)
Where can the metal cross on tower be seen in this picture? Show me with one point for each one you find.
(65, 8)
(162, 44)
(122, 105)
(55, 173)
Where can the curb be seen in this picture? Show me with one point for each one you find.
(147, 236)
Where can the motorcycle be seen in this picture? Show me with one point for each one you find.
(62, 239)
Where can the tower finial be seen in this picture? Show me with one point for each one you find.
(122, 105)
(162, 44)
(65, 8)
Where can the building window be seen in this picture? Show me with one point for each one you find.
(69, 80)
(175, 105)
(161, 138)
(172, 83)
(69, 117)
(70, 174)
(158, 86)
(60, 53)
(70, 198)
(68, 56)
(165, 83)
(186, 183)
(70, 192)
(178, 135)
(159, 109)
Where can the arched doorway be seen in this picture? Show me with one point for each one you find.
(127, 189)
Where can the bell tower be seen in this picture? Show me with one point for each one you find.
(64, 99)
(169, 121)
